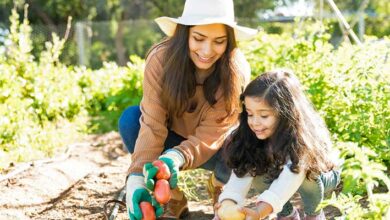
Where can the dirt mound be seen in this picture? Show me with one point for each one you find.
(77, 187)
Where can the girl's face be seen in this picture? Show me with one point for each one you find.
(207, 43)
(262, 118)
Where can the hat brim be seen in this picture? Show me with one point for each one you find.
(168, 26)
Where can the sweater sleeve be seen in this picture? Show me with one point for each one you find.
(153, 121)
(282, 188)
(208, 136)
(236, 189)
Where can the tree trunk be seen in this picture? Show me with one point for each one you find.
(45, 18)
(120, 47)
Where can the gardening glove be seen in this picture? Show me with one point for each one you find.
(136, 192)
(149, 172)
(173, 159)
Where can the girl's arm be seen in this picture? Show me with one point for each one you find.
(233, 196)
(282, 189)
(236, 189)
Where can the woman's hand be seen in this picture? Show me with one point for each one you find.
(174, 160)
(136, 193)
(165, 167)
(173, 168)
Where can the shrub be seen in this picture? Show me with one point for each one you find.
(45, 104)
(349, 87)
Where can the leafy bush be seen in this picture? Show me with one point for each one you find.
(110, 90)
(349, 87)
(45, 105)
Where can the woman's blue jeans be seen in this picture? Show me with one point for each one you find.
(129, 127)
(312, 192)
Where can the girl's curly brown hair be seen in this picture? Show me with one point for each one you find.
(301, 135)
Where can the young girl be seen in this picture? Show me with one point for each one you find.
(191, 88)
(281, 146)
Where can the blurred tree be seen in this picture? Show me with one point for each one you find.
(54, 13)
(248, 8)
(172, 8)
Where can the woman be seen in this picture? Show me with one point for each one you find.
(192, 82)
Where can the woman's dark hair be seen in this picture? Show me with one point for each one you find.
(300, 136)
(179, 80)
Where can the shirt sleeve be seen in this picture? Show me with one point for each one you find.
(153, 121)
(282, 188)
(208, 136)
(236, 189)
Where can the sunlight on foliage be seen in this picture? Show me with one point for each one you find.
(361, 173)
(193, 180)
(349, 87)
(45, 105)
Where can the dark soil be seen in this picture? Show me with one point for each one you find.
(78, 186)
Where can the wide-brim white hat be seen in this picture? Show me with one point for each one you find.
(202, 12)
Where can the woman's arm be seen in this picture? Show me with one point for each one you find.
(153, 121)
(208, 136)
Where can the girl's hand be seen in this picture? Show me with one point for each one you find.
(217, 205)
(229, 210)
(261, 211)
(250, 214)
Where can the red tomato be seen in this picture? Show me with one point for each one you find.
(163, 170)
(147, 211)
(162, 192)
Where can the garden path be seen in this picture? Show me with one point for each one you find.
(78, 186)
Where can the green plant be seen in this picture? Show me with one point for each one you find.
(349, 87)
(45, 104)
(361, 173)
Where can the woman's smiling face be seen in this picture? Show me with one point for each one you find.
(207, 43)
(262, 118)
